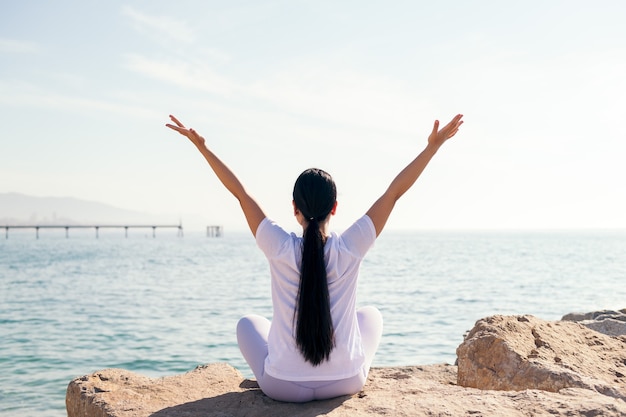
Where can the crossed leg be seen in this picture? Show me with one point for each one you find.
(252, 334)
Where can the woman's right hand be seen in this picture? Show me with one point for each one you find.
(193, 136)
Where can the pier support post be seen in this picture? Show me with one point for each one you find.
(214, 231)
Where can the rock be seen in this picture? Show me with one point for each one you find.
(591, 315)
(219, 390)
(608, 326)
(524, 352)
(609, 322)
(116, 392)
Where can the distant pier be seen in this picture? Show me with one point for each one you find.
(96, 227)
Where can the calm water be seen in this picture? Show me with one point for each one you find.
(69, 307)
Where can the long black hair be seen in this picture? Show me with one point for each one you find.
(314, 194)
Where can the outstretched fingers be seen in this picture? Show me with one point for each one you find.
(451, 128)
(188, 132)
(179, 127)
(175, 120)
(439, 136)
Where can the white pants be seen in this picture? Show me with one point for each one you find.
(252, 334)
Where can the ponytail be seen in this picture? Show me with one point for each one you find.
(315, 195)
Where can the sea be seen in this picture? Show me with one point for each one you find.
(162, 305)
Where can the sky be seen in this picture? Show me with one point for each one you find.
(352, 87)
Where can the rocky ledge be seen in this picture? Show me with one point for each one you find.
(507, 366)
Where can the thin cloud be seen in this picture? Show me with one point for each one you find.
(183, 74)
(15, 46)
(159, 25)
(34, 97)
(344, 97)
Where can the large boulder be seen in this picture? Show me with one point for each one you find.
(523, 352)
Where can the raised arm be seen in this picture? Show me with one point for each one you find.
(251, 210)
(381, 209)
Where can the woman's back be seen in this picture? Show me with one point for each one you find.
(343, 254)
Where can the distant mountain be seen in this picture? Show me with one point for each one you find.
(22, 209)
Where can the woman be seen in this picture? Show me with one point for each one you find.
(318, 344)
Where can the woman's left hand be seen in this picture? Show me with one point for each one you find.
(438, 137)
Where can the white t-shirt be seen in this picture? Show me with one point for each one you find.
(343, 254)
